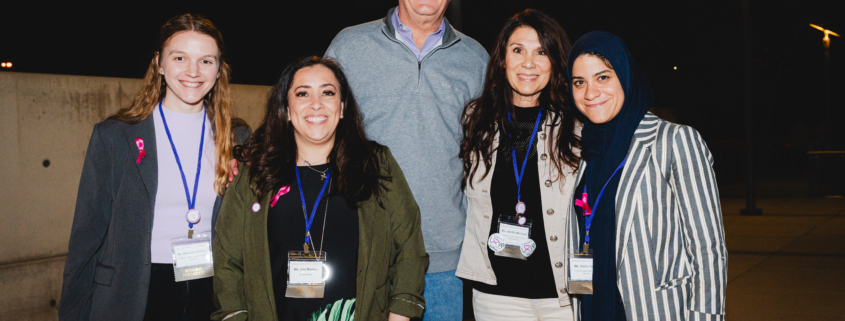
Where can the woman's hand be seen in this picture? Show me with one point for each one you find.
(396, 317)
(233, 170)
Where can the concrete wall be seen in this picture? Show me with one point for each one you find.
(49, 118)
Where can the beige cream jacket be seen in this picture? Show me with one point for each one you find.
(556, 196)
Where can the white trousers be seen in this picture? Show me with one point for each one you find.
(490, 307)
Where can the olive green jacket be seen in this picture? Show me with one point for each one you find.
(391, 255)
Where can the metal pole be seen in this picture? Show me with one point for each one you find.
(750, 205)
(828, 130)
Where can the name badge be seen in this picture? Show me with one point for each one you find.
(513, 239)
(192, 257)
(307, 275)
(581, 273)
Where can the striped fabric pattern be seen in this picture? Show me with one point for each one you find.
(670, 246)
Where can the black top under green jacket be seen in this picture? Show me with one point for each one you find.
(391, 255)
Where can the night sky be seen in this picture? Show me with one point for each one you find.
(704, 39)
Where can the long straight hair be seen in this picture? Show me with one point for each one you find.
(271, 151)
(217, 102)
(484, 116)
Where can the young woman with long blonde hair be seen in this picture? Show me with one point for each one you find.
(154, 173)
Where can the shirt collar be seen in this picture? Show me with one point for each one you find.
(401, 28)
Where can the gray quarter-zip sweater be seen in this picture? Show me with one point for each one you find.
(415, 109)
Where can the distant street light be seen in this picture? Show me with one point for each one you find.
(6, 65)
(827, 34)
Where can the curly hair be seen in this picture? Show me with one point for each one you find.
(271, 151)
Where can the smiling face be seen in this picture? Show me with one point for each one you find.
(314, 105)
(596, 89)
(527, 67)
(190, 65)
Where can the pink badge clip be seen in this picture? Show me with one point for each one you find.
(582, 203)
(141, 153)
(282, 191)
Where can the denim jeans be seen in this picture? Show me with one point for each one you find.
(443, 297)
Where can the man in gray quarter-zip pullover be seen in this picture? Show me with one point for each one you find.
(412, 74)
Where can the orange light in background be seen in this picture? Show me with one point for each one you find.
(6, 64)
(3, 64)
(827, 34)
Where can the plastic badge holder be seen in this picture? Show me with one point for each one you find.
(514, 235)
(581, 273)
(307, 274)
(192, 257)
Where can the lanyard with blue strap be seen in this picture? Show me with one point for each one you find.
(520, 206)
(193, 215)
(588, 211)
(310, 220)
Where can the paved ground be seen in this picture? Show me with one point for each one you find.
(788, 264)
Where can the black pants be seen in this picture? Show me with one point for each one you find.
(169, 300)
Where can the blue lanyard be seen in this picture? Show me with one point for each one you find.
(589, 219)
(310, 220)
(191, 201)
(520, 173)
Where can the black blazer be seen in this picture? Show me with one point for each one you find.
(107, 272)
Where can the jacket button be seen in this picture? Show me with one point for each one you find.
(563, 291)
(548, 183)
(542, 136)
(553, 238)
(544, 156)
(558, 265)
(550, 211)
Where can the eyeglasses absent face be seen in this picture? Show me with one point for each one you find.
(190, 65)
(315, 106)
(596, 89)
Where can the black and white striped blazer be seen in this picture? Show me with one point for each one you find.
(670, 244)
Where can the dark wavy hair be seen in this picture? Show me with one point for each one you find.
(489, 113)
(271, 151)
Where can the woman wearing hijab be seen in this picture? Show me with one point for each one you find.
(646, 198)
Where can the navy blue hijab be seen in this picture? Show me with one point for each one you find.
(604, 147)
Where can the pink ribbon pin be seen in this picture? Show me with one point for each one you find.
(582, 203)
(141, 153)
(282, 191)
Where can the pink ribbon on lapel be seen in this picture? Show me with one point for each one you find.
(582, 203)
(141, 153)
(282, 191)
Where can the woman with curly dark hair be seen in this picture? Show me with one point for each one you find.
(324, 221)
(514, 247)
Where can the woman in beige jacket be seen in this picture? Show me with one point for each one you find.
(514, 249)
